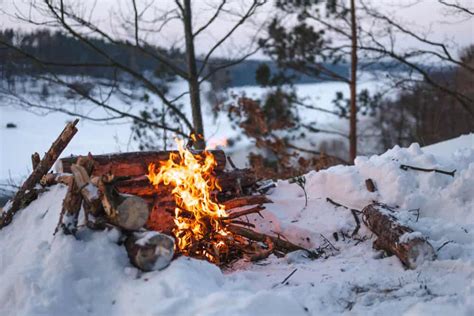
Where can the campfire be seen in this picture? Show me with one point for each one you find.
(200, 220)
(184, 202)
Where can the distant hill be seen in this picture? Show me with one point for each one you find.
(61, 48)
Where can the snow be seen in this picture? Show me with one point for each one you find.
(447, 148)
(410, 236)
(44, 274)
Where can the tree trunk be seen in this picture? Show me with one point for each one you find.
(193, 77)
(353, 87)
(409, 246)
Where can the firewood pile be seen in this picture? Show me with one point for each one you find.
(185, 202)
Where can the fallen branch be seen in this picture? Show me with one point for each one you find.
(26, 193)
(280, 244)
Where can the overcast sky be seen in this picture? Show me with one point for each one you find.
(426, 15)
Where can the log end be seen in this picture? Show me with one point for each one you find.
(150, 251)
(419, 251)
(132, 213)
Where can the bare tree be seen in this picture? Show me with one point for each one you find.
(141, 24)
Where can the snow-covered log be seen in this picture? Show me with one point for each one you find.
(150, 251)
(410, 247)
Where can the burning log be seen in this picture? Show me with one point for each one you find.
(409, 246)
(234, 181)
(150, 251)
(27, 193)
(132, 164)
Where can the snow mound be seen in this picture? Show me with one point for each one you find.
(44, 274)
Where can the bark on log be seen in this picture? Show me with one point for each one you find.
(42, 168)
(150, 251)
(131, 164)
(409, 246)
(229, 181)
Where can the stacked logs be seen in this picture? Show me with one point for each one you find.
(124, 190)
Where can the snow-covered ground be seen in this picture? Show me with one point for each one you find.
(45, 275)
(36, 132)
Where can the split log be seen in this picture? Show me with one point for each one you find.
(50, 179)
(126, 211)
(409, 246)
(150, 251)
(131, 164)
(23, 196)
(70, 211)
(73, 201)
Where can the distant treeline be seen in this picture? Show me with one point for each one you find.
(66, 55)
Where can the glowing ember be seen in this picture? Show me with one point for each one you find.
(199, 231)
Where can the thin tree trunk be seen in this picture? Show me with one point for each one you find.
(193, 79)
(353, 87)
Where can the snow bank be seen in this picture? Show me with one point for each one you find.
(46, 275)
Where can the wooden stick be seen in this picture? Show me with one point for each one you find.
(280, 244)
(410, 247)
(35, 160)
(255, 209)
(246, 200)
(449, 173)
(41, 169)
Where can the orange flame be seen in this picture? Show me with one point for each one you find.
(196, 214)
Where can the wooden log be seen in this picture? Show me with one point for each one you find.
(42, 168)
(126, 211)
(70, 211)
(50, 179)
(150, 251)
(227, 180)
(131, 164)
(73, 201)
(410, 247)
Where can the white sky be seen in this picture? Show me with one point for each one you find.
(427, 16)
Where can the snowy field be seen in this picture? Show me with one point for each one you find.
(36, 132)
(46, 275)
